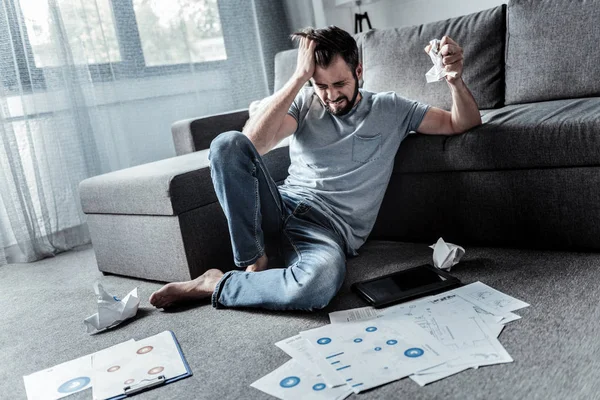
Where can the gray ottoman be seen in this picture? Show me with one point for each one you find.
(162, 220)
(158, 221)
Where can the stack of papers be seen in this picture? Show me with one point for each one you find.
(427, 340)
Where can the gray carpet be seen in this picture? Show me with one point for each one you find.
(556, 346)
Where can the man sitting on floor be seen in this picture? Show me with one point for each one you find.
(342, 148)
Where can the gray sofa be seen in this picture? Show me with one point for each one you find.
(528, 177)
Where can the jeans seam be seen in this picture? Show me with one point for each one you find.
(279, 206)
(257, 198)
(295, 248)
(260, 252)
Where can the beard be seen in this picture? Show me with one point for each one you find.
(349, 103)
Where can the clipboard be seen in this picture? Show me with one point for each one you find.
(160, 380)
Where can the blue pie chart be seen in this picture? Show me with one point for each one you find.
(319, 386)
(414, 352)
(289, 382)
(324, 340)
(74, 385)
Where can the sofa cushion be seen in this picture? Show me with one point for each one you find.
(166, 187)
(285, 65)
(551, 50)
(559, 133)
(394, 58)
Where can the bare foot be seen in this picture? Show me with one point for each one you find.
(199, 288)
(260, 265)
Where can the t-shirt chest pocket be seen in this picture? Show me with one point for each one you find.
(366, 148)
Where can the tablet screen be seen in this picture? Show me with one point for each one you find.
(405, 280)
(405, 285)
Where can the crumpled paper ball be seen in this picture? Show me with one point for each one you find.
(446, 255)
(111, 310)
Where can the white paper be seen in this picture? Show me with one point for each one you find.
(454, 322)
(489, 299)
(355, 314)
(437, 72)
(371, 353)
(61, 380)
(492, 323)
(111, 310)
(472, 339)
(437, 374)
(467, 320)
(509, 317)
(64, 379)
(134, 363)
(292, 381)
(446, 255)
(368, 313)
(302, 351)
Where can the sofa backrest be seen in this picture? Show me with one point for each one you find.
(394, 59)
(285, 65)
(551, 50)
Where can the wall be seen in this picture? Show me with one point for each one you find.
(397, 13)
(299, 14)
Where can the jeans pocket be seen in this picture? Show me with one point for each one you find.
(366, 149)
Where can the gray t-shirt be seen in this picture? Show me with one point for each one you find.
(342, 165)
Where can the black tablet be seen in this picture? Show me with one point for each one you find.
(405, 285)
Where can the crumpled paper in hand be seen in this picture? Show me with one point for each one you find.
(446, 255)
(437, 72)
(111, 310)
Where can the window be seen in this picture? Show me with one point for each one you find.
(114, 38)
(88, 26)
(174, 32)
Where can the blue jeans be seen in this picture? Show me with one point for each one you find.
(287, 228)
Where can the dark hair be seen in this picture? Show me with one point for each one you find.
(331, 41)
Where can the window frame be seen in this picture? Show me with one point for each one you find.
(132, 64)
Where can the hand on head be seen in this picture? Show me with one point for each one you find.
(305, 66)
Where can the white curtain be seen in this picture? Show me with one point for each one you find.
(92, 86)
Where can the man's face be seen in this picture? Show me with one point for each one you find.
(337, 86)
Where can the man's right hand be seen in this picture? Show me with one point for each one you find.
(305, 66)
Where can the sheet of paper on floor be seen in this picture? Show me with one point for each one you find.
(455, 323)
(302, 351)
(371, 353)
(489, 299)
(292, 381)
(140, 361)
(61, 380)
(469, 337)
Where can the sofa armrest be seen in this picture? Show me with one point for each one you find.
(195, 134)
(162, 220)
